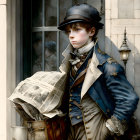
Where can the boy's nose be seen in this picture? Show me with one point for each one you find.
(71, 34)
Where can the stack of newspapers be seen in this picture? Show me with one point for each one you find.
(40, 95)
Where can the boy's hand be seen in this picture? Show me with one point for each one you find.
(105, 132)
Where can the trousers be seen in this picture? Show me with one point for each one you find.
(96, 120)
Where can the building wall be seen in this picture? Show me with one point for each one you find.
(118, 15)
(7, 66)
(11, 72)
(3, 68)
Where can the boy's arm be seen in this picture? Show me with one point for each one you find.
(124, 97)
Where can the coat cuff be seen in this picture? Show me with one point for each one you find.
(116, 126)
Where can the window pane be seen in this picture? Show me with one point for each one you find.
(36, 52)
(50, 12)
(63, 44)
(64, 6)
(50, 51)
(36, 13)
(78, 1)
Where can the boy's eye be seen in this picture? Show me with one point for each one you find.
(78, 29)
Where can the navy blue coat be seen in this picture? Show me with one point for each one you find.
(112, 91)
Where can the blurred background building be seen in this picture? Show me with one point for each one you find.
(31, 42)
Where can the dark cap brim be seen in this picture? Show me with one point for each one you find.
(66, 22)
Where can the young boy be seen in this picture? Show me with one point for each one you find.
(101, 100)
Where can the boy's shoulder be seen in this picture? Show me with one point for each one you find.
(109, 64)
(112, 67)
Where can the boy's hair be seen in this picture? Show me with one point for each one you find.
(85, 25)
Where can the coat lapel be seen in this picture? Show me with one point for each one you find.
(92, 74)
(65, 66)
(80, 78)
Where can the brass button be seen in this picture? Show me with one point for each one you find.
(70, 104)
(86, 122)
(70, 100)
(71, 95)
(70, 109)
(85, 111)
(71, 90)
(87, 127)
(108, 110)
(78, 117)
(86, 115)
(88, 132)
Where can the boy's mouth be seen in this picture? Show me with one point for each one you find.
(73, 42)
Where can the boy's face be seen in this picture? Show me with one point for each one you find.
(78, 36)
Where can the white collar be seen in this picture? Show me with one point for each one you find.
(86, 48)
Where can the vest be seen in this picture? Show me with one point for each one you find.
(75, 113)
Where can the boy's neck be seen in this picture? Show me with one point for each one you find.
(87, 47)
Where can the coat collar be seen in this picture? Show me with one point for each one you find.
(101, 56)
(65, 66)
(93, 73)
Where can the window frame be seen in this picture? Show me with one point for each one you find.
(43, 29)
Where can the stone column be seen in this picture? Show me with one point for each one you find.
(3, 69)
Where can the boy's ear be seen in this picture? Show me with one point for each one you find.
(92, 31)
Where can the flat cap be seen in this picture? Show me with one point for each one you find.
(82, 13)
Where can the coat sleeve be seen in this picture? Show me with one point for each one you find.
(122, 92)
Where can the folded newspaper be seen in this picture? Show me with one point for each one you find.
(41, 94)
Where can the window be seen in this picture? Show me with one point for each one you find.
(42, 46)
(43, 43)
